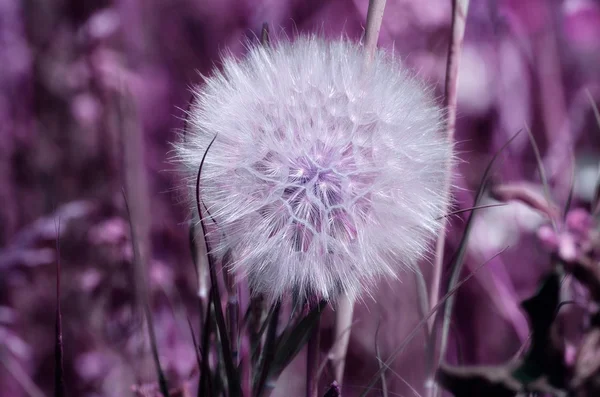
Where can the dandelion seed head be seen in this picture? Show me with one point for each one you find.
(325, 173)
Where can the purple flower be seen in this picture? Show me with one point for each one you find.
(326, 171)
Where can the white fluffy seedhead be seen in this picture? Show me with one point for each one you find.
(326, 172)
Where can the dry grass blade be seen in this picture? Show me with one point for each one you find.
(136, 189)
(422, 323)
(205, 383)
(233, 381)
(479, 207)
(462, 247)
(542, 172)
(268, 351)
(162, 380)
(384, 389)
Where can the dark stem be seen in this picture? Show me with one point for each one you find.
(312, 360)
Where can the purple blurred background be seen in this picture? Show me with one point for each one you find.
(63, 62)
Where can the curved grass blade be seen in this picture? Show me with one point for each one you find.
(136, 188)
(205, 386)
(268, 352)
(233, 381)
(293, 340)
(162, 380)
(545, 185)
(458, 260)
(375, 378)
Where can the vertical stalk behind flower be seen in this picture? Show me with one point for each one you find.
(343, 321)
(137, 191)
(345, 309)
(459, 17)
(374, 18)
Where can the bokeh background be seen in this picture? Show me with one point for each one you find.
(64, 64)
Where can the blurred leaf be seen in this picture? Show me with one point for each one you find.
(334, 390)
(294, 338)
(266, 356)
(586, 378)
(477, 381)
(541, 370)
(542, 358)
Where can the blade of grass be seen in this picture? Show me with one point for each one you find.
(571, 188)
(268, 352)
(233, 382)
(420, 324)
(205, 383)
(197, 348)
(384, 390)
(293, 339)
(136, 188)
(162, 380)
(479, 207)
(457, 263)
(542, 172)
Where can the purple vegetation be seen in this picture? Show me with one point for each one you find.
(66, 66)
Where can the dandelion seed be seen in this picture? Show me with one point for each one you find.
(326, 173)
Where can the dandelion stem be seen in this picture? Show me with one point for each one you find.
(374, 18)
(312, 360)
(343, 322)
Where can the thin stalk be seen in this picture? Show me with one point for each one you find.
(262, 387)
(312, 361)
(232, 310)
(136, 189)
(459, 19)
(345, 309)
(343, 321)
(374, 18)
(421, 323)
(384, 390)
